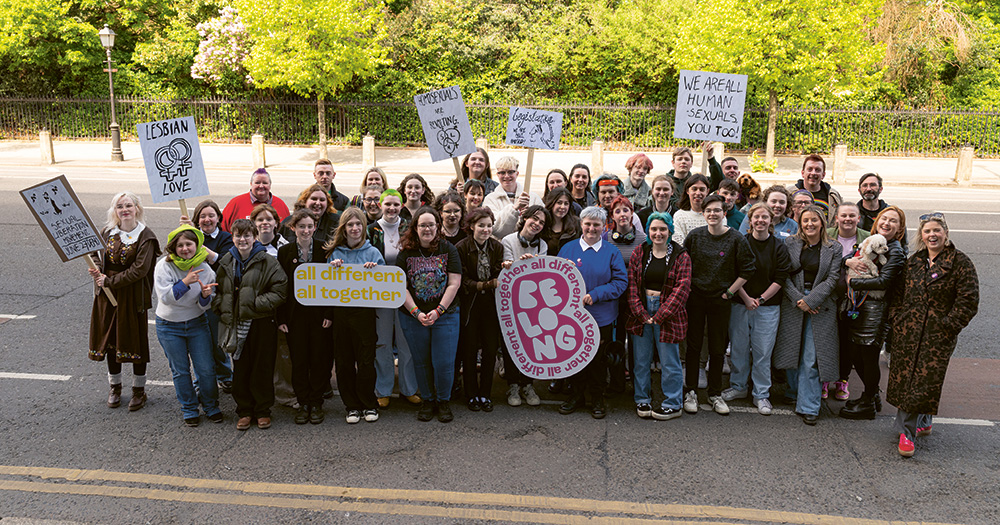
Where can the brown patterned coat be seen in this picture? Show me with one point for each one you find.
(936, 304)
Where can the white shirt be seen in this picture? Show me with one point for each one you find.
(596, 246)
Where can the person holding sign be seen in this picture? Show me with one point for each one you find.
(682, 160)
(658, 286)
(482, 260)
(476, 166)
(606, 278)
(121, 333)
(636, 189)
(251, 288)
(509, 199)
(355, 327)
(433, 277)
(307, 328)
(184, 284)
(260, 193)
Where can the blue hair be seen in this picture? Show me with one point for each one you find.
(659, 216)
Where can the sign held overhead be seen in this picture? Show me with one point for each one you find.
(710, 106)
(172, 156)
(534, 128)
(445, 122)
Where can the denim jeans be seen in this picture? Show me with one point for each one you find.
(390, 336)
(804, 381)
(671, 374)
(190, 343)
(223, 368)
(752, 334)
(433, 349)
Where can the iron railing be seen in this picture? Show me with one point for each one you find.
(866, 131)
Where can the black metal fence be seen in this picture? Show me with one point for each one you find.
(865, 131)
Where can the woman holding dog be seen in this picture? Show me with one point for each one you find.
(866, 309)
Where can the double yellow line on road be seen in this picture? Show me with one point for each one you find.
(399, 502)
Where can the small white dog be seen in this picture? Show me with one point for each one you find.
(872, 249)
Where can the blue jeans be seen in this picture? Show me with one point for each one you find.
(185, 344)
(223, 368)
(752, 333)
(804, 382)
(671, 374)
(433, 349)
(390, 336)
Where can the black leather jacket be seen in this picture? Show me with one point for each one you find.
(870, 326)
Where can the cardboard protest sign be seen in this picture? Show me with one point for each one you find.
(318, 284)
(534, 128)
(548, 332)
(710, 106)
(173, 160)
(445, 122)
(63, 219)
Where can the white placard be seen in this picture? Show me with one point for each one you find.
(318, 284)
(445, 122)
(710, 106)
(62, 217)
(534, 128)
(173, 161)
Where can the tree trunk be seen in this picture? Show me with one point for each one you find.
(321, 121)
(772, 124)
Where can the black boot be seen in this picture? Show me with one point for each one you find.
(574, 403)
(863, 409)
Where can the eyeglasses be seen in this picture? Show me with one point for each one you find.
(931, 216)
(427, 226)
(370, 200)
(713, 210)
(507, 172)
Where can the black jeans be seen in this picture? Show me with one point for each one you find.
(714, 313)
(253, 372)
(354, 354)
(310, 347)
(481, 332)
(866, 363)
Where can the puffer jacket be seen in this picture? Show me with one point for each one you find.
(262, 290)
(870, 326)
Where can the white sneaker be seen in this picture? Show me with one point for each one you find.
(530, 396)
(702, 378)
(353, 416)
(763, 406)
(730, 394)
(513, 396)
(691, 402)
(719, 405)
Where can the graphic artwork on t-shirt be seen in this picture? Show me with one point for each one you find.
(428, 276)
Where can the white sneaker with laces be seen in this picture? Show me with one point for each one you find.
(730, 394)
(763, 406)
(530, 396)
(719, 405)
(513, 396)
(691, 402)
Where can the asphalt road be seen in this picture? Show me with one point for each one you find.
(65, 456)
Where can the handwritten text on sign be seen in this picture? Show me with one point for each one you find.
(62, 217)
(548, 332)
(445, 122)
(173, 161)
(534, 128)
(318, 284)
(710, 106)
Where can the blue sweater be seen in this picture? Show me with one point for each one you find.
(605, 275)
(360, 255)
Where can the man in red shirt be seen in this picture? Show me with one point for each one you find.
(260, 193)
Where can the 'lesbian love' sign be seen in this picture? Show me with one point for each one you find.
(548, 332)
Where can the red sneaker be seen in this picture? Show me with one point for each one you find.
(924, 431)
(906, 447)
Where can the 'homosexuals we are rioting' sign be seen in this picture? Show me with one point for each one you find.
(549, 334)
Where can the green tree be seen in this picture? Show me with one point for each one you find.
(788, 48)
(312, 47)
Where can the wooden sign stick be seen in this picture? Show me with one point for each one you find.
(111, 296)
(458, 169)
(184, 207)
(527, 170)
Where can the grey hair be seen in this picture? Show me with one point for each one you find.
(594, 212)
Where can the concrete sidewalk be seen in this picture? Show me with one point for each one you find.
(900, 171)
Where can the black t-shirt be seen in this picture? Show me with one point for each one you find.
(810, 263)
(427, 274)
(656, 273)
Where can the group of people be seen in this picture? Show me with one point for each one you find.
(675, 269)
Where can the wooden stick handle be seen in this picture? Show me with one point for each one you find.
(184, 207)
(111, 296)
(527, 170)
(458, 169)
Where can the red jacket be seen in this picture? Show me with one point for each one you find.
(672, 313)
(241, 206)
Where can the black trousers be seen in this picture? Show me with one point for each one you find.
(866, 363)
(481, 332)
(713, 313)
(354, 354)
(593, 379)
(253, 372)
(310, 347)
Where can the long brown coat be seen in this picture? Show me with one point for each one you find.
(936, 304)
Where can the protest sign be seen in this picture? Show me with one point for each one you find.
(173, 160)
(446, 124)
(548, 332)
(65, 222)
(534, 128)
(318, 284)
(710, 106)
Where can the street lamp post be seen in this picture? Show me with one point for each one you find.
(108, 41)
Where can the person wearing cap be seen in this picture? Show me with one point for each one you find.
(509, 199)
(240, 206)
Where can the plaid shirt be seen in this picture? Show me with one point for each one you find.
(672, 313)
